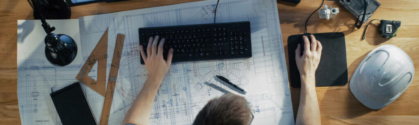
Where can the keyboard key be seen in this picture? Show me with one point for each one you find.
(180, 56)
(246, 48)
(208, 49)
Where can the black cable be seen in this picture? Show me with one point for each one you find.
(311, 15)
(215, 11)
(358, 23)
(365, 31)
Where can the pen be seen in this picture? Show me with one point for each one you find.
(228, 82)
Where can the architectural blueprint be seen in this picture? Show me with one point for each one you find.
(184, 90)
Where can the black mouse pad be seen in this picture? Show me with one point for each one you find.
(332, 70)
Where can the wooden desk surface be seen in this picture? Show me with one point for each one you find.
(337, 104)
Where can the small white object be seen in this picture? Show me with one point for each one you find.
(328, 12)
(389, 28)
(382, 76)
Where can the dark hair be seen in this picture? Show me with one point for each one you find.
(229, 109)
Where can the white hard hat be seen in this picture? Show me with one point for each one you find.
(382, 76)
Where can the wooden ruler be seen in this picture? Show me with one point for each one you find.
(100, 54)
(113, 74)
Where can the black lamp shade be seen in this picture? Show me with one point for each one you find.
(60, 49)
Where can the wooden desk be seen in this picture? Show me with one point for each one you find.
(337, 104)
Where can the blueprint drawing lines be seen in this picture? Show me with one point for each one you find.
(184, 91)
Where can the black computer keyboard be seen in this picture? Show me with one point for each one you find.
(203, 41)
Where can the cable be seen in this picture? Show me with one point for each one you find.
(311, 15)
(358, 23)
(365, 31)
(215, 11)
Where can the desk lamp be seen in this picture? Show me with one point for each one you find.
(60, 49)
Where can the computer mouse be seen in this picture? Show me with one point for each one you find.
(302, 41)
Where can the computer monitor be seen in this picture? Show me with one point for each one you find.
(81, 2)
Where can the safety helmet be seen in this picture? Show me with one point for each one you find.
(382, 76)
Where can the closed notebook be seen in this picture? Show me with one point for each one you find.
(72, 107)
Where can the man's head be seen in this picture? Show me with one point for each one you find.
(229, 109)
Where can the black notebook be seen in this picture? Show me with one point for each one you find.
(72, 106)
(332, 70)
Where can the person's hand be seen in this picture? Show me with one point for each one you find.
(307, 63)
(156, 66)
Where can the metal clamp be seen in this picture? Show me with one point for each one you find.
(328, 13)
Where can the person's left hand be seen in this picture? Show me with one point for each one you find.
(156, 66)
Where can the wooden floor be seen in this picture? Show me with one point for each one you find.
(337, 104)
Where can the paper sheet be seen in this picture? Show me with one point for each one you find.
(183, 92)
(36, 76)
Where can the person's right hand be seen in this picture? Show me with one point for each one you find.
(156, 66)
(307, 63)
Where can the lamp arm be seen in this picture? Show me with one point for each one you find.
(38, 5)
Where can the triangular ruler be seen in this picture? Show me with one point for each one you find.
(99, 54)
